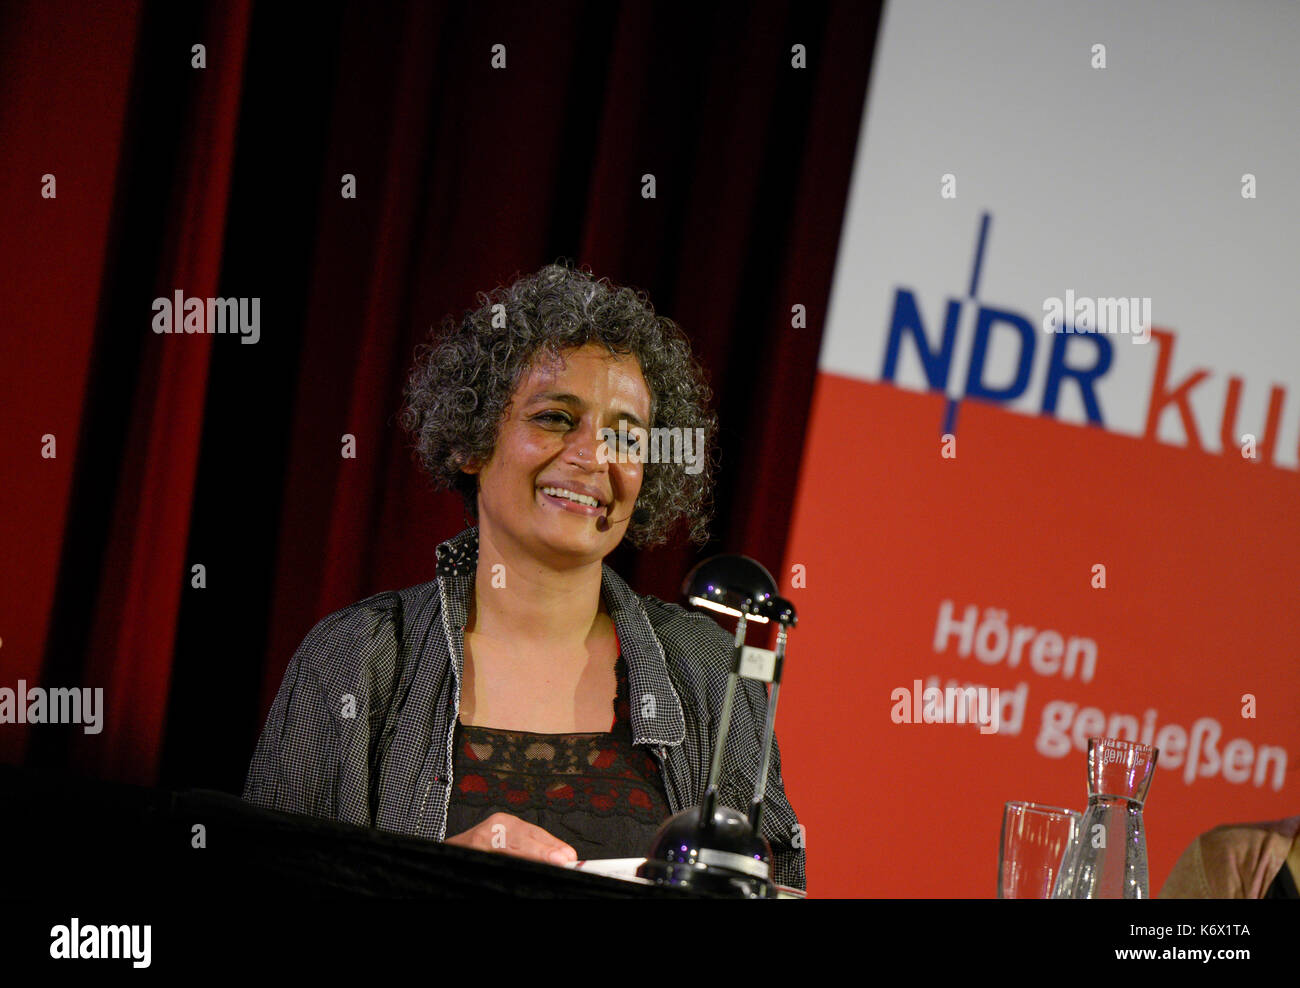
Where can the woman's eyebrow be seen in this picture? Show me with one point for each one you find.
(566, 398)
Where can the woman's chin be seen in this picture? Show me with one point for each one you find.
(576, 536)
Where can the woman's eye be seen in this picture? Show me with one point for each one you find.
(559, 417)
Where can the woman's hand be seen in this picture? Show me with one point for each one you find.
(511, 835)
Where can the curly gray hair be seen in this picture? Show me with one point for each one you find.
(459, 391)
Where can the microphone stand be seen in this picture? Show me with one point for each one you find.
(769, 732)
(709, 805)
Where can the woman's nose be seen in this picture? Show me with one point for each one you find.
(584, 447)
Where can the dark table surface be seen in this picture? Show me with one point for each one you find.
(63, 835)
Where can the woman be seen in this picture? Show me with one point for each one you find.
(1239, 861)
(527, 700)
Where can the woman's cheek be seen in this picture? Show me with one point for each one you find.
(633, 475)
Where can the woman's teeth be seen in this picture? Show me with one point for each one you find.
(591, 502)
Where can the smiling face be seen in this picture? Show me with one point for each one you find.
(549, 440)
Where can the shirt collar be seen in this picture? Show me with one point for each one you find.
(656, 709)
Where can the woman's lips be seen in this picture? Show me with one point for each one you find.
(566, 505)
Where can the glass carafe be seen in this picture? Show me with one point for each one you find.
(1108, 857)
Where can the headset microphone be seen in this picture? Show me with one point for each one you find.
(639, 516)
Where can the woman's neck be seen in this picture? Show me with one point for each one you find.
(521, 601)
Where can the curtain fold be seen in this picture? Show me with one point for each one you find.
(62, 114)
(146, 568)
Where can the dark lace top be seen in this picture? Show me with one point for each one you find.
(598, 793)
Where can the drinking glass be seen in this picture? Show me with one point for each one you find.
(1034, 839)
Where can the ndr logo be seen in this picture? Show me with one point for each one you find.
(1077, 356)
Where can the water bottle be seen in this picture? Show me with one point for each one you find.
(1107, 859)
